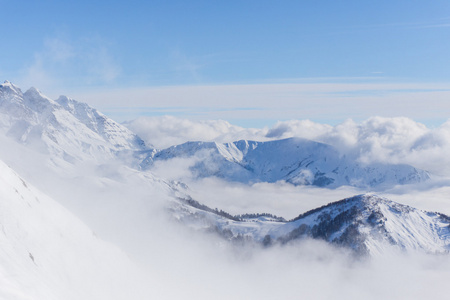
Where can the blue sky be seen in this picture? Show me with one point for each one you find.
(78, 47)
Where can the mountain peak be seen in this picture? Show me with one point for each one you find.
(8, 86)
(33, 90)
(63, 99)
(371, 202)
(368, 223)
(367, 202)
(35, 93)
(7, 83)
(74, 106)
(67, 103)
(67, 129)
(37, 101)
(368, 198)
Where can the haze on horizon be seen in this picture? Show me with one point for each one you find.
(251, 64)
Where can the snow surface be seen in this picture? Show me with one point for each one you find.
(295, 160)
(66, 129)
(47, 253)
(366, 223)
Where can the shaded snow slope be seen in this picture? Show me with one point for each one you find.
(295, 160)
(367, 224)
(47, 253)
(66, 129)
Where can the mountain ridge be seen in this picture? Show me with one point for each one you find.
(69, 130)
(366, 224)
(295, 160)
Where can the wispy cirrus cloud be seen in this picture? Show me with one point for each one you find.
(436, 23)
(256, 105)
(184, 65)
(61, 62)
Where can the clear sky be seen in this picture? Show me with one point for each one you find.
(83, 48)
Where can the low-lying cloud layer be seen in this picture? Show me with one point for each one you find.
(377, 139)
(125, 208)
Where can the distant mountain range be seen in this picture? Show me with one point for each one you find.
(294, 160)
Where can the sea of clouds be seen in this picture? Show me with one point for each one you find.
(377, 139)
(127, 209)
(311, 269)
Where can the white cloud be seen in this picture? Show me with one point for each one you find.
(184, 65)
(58, 50)
(314, 99)
(38, 74)
(282, 199)
(99, 63)
(63, 62)
(387, 140)
(304, 128)
(166, 131)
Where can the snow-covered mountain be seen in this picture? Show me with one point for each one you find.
(66, 129)
(295, 160)
(48, 253)
(74, 131)
(367, 224)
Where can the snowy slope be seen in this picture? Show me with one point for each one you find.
(367, 224)
(116, 134)
(47, 253)
(66, 129)
(295, 160)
